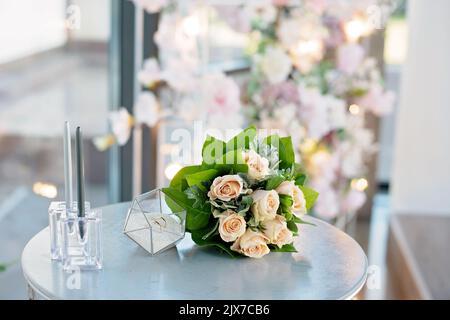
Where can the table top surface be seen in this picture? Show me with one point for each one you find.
(329, 265)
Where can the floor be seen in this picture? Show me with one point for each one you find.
(36, 96)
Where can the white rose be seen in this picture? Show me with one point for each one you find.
(252, 244)
(276, 65)
(258, 167)
(265, 205)
(231, 226)
(289, 188)
(226, 188)
(277, 232)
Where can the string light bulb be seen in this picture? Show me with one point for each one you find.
(359, 184)
(191, 25)
(308, 146)
(357, 28)
(46, 190)
(354, 109)
(171, 170)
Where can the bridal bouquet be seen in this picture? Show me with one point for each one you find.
(247, 196)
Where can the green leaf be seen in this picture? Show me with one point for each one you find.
(2, 267)
(298, 220)
(286, 248)
(197, 179)
(231, 162)
(285, 149)
(195, 218)
(199, 197)
(310, 196)
(212, 149)
(212, 231)
(198, 235)
(287, 214)
(177, 181)
(274, 182)
(244, 206)
(300, 179)
(286, 201)
(289, 154)
(242, 140)
(293, 227)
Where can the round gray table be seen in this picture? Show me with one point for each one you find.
(329, 265)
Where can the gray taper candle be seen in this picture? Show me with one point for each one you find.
(67, 167)
(80, 177)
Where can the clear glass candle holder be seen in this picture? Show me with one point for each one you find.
(56, 211)
(82, 240)
(155, 222)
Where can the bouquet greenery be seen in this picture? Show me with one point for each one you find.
(247, 196)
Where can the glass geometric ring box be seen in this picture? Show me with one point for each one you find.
(155, 222)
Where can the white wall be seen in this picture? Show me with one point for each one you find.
(95, 20)
(421, 174)
(29, 26)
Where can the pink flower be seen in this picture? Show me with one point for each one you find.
(318, 6)
(349, 57)
(378, 101)
(336, 34)
(284, 92)
(220, 94)
(353, 201)
(327, 205)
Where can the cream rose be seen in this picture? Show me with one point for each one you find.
(289, 188)
(277, 232)
(258, 167)
(231, 226)
(226, 188)
(265, 205)
(252, 244)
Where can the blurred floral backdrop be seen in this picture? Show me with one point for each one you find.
(310, 77)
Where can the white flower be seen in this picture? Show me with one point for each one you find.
(121, 124)
(314, 112)
(102, 143)
(337, 113)
(231, 226)
(252, 244)
(289, 188)
(146, 109)
(301, 27)
(265, 205)
(226, 188)
(277, 232)
(262, 11)
(258, 167)
(275, 65)
(150, 74)
(180, 75)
